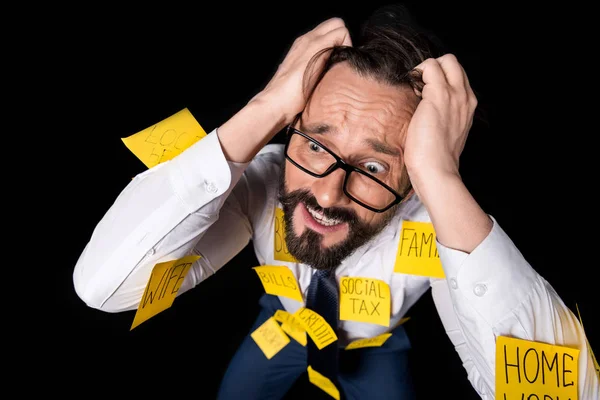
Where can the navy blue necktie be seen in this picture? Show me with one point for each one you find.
(322, 298)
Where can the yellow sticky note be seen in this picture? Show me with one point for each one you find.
(317, 328)
(270, 338)
(279, 280)
(291, 326)
(376, 341)
(281, 252)
(402, 320)
(166, 139)
(165, 280)
(594, 360)
(417, 252)
(533, 370)
(323, 383)
(365, 300)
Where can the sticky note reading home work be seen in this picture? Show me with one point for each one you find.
(270, 338)
(281, 252)
(165, 280)
(166, 139)
(291, 326)
(317, 328)
(533, 370)
(279, 280)
(376, 341)
(323, 383)
(365, 300)
(417, 252)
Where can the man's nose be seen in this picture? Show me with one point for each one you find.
(329, 190)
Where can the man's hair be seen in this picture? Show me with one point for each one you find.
(390, 44)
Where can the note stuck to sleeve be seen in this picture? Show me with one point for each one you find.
(376, 341)
(165, 280)
(281, 252)
(279, 280)
(534, 370)
(365, 300)
(291, 326)
(270, 338)
(317, 328)
(417, 251)
(323, 383)
(166, 139)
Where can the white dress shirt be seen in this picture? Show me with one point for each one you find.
(199, 203)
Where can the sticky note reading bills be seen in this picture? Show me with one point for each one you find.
(165, 140)
(279, 280)
(534, 370)
(165, 280)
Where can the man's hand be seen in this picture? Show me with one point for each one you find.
(440, 125)
(284, 92)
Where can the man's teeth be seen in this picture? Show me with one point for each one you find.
(321, 219)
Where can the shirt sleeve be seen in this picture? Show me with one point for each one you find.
(493, 292)
(162, 215)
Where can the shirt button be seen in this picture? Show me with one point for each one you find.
(150, 252)
(210, 187)
(453, 283)
(480, 289)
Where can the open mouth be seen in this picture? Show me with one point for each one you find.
(318, 222)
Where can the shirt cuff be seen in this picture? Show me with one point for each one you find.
(494, 279)
(201, 174)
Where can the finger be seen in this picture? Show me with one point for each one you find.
(327, 26)
(454, 72)
(431, 72)
(335, 37)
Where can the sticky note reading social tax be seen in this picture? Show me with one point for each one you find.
(281, 252)
(594, 360)
(279, 280)
(376, 341)
(417, 252)
(528, 370)
(165, 280)
(291, 326)
(323, 383)
(166, 139)
(317, 328)
(365, 300)
(270, 338)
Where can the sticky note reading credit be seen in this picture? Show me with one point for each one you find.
(376, 341)
(166, 139)
(279, 280)
(165, 280)
(417, 252)
(323, 383)
(317, 328)
(291, 326)
(270, 338)
(528, 370)
(281, 252)
(365, 300)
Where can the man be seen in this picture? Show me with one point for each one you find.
(375, 133)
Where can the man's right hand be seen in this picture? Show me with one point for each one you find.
(284, 92)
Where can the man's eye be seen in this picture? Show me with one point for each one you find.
(373, 167)
(315, 147)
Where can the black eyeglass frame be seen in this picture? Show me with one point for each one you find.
(339, 163)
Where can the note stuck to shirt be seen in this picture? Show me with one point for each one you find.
(315, 325)
(270, 338)
(376, 341)
(323, 383)
(165, 280)
(291, 326)
(279, 280)
(365, 300)
(280, 250)
(417, 252)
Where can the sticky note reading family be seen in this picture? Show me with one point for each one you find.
(323, 383)
(533, 370)
(281, 252)
(317, 328)
(279, 280)
(166, 139)
(165, 280)
(417, 253)
(270, 338)
(291, 326)
(365, 300)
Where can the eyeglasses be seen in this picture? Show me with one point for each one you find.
(317, 160)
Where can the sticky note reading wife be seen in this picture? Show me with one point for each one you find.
(165, 280)
(417, 253)
(279, 280)
(166, 139)
(534, 370)
(365, 300)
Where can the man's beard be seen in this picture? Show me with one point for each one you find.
(307, 248)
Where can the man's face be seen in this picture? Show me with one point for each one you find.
(364, 122)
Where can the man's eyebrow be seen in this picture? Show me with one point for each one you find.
(375, 144)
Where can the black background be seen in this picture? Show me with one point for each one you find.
(104, 73)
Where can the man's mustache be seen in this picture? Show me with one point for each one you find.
(303, 195)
